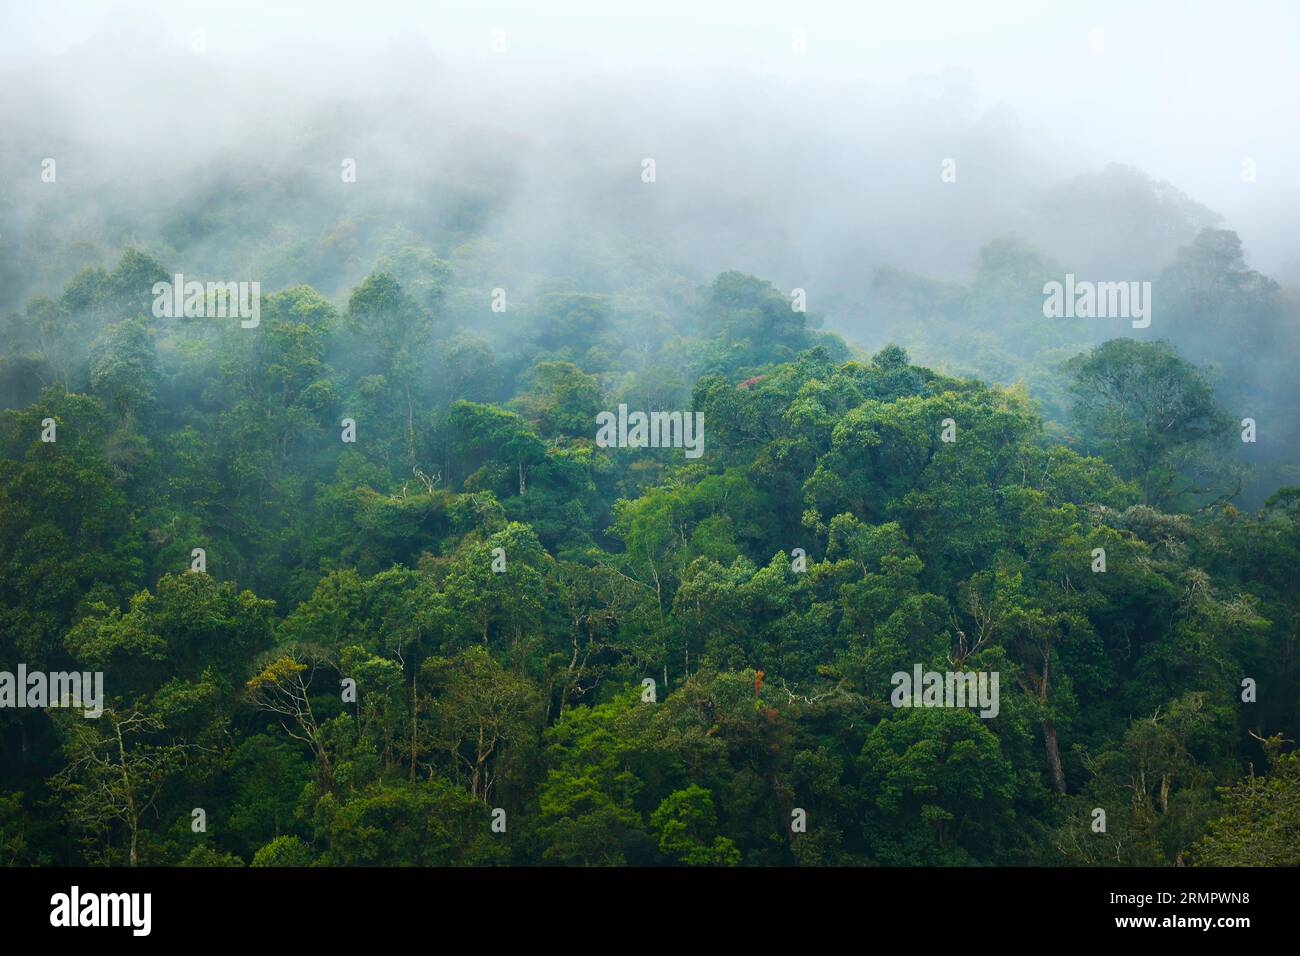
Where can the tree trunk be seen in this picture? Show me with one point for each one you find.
(327, 771)
(1053, 756)
(478, 764)
(133, 818)
(414, 713)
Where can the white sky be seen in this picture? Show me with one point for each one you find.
(1183, 90)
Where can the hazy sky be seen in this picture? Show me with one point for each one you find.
(821, 122)
(1184, 90)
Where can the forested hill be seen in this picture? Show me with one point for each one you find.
(364, 588)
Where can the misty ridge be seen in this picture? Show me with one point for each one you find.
(514, 174)
(482, 173)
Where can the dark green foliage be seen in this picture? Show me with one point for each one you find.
(473, 637)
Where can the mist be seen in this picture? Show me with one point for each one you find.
(507, 434)
(804, 149)
(839, 152)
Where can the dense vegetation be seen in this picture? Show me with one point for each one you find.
(499, 588)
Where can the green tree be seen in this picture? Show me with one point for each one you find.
(1260, 825)
(284, 851)
(117, 768)
(1149, 413)
(685, 823)
(481, 713)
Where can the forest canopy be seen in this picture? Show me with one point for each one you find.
(380, 650)
(670, 439)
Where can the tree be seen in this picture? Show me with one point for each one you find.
(189, 626)
(284, 851)
(268, 774)
(431, 823)
(282, 688)
(13, 829)
(586, 802)
(571, 321)
(390, 331)
(943, 790)
(486, 603)
(1150, 413)
(1213, 299)
(480, 712)
(1261, 822)
(64, 533)
(124, 369)
(116, 771)
(685, 822)
(485, 433)
(1118, 221)
(563, 400)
